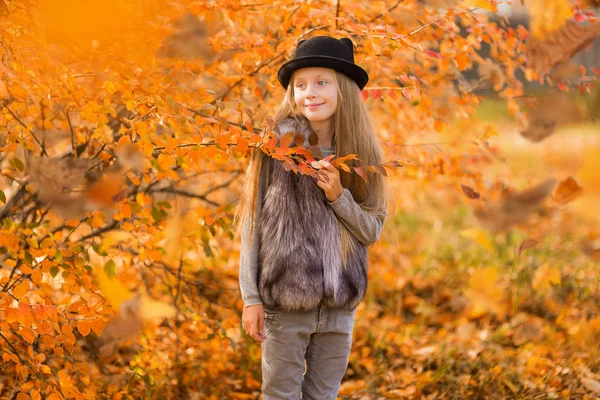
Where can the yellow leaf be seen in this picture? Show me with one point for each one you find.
(548, 15)
(485, 293)
(544, 276)
(479, 236)
(111, 87)
(112, 238)
(113, 290)
(485, 4)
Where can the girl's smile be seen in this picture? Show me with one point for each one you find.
(316, 94)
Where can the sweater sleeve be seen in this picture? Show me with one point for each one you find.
(364, 226)
(249, 251)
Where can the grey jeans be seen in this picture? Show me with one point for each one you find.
(322, 337)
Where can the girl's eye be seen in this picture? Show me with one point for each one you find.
(322, 82)
(300, 85)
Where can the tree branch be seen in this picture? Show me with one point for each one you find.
(392, 8)
(29, 130)
(185, 193)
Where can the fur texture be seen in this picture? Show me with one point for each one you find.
(300, 262)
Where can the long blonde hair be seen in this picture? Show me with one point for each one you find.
(353, 135)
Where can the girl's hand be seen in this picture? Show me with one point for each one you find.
(253, 321)
(329, 180)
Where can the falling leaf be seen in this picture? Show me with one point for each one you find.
(527, 244)
(544, 276)
(479, 236)
(469, 192)
(514, 208)
(485, 293)
(567, 191)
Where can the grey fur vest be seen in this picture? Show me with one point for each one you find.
(300, 262)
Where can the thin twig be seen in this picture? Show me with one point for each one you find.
(200, 113)
(337, 13)
(184, 193)
(215, 188)
(72, 132)
(29, 130)
(99, 151)
(392, 8)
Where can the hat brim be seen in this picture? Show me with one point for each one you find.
(356, 73)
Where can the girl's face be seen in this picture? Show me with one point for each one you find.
(315, 93)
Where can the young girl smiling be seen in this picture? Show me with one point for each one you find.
(303, 262)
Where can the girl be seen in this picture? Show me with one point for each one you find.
(303, 264)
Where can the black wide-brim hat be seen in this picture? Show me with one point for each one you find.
(325, 52)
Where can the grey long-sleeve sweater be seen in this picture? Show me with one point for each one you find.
(366, 227)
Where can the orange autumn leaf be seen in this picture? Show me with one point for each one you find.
(84, 327)
(172, 144)
(21, 289)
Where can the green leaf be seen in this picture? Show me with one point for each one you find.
(54, 271)
(109, 268)
(2, 197)
(96, 247)
(226, 228)
(58, 255)
(156, 214)
(164, 204)
(18, 164)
